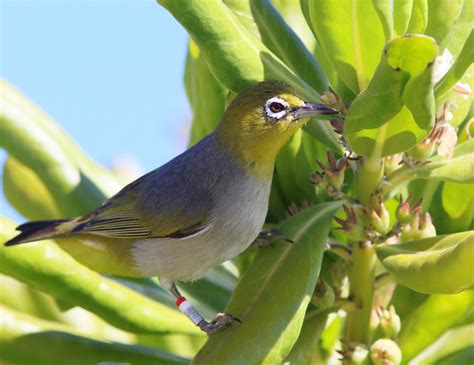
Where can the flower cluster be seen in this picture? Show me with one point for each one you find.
(412, 222)
(331, 178)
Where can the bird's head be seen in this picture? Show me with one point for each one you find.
(262, 118)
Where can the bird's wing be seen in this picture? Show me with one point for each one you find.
(143, 210)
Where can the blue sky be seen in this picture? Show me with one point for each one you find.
(109, 72)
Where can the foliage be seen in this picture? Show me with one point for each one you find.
(400, 73)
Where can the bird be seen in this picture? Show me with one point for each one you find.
(200, 209)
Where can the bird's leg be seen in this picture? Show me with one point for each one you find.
(221, 321)
(266, 237)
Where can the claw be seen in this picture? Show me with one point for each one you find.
(221, 321)
(268, 236)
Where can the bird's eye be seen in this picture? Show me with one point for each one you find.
(276, 108)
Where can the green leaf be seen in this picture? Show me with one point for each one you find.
(75, 182)
(236, 58)
(272, 296)
(292, 11)
(462, 357)
(27, 193)
(318, 129)
(430, 320)
(401, 15)
(457, 202)
(451, 341)
(306, 348)
(384, 11)
(397, 108)
(457, 70)
(419, 17)
(442, 15)
(26, 340)
(457, 35)
(20, 297)
(459, 168)
(46, 267)
(262, 17)
(435, 265)
(354, 45)
(205, 94)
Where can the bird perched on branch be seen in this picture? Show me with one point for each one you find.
(200, 209)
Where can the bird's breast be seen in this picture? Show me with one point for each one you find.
(238, 214)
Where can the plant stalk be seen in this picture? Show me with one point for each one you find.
(361, 292)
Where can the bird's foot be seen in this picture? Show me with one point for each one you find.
(221, 321)
(268, 236)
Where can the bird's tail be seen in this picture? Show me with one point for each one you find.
(41, 230)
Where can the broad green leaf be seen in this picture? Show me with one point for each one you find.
(458, 201)
(442, 14)
(293, 13)
(457, 70)
(273, 294)
(451, 341)
(397, 108)
(457, 35)
(26, 340)
(435, 265)
(306, 347)
(461, 357)
(430, 320)
(419, 17)
(262, 17)
(277, 204)
(45, 267)
(384, 11)
(459, 168)
(354, 45)
(22, 298)
(75, 182)
(401, 15)
(406, 300)
(205, 94)
(236, 58)
(319, 130)
(27, 193)
(293, 170)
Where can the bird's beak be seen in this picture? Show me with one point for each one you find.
(312, 109)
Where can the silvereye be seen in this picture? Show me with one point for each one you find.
(203, 207)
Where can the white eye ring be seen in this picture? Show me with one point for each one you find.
(272, 114)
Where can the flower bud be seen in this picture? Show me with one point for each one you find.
(385, 352)
(426, 148)
(354, 353)
(352, 226)
(423, 150)
(323, 296)
(359, 355)
(317, 179)
(405, 212)
(420, 227)
(392, 163)
(389, 322)
(329, 98)
(332, 176)
(378, 215)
